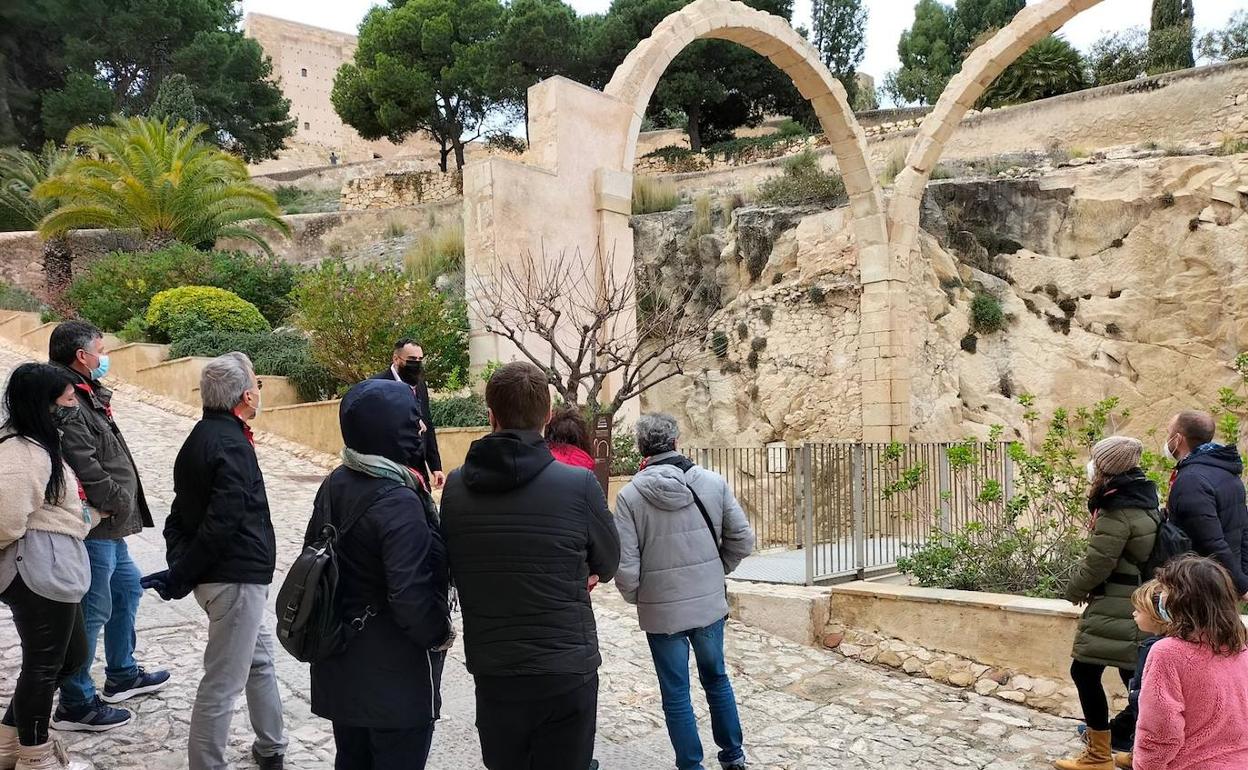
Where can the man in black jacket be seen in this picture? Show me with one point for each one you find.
(220, 544)
(525, 534)
(1207, 493)
(100, 458)
(408, 366)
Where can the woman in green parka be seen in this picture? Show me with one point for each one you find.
(1123, 503)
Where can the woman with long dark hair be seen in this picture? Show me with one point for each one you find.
(1123, 503)
(44, 569)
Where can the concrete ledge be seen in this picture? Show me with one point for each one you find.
(314, 425)
(178, 379)
(796, 613)
(126, 360)
(13, 324)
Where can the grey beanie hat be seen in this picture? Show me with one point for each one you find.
(1117, 454)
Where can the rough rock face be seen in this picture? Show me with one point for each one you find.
(1117, 278)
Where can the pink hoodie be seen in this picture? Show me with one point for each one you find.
(1193, 709)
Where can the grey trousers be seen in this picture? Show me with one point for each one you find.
(239, 657)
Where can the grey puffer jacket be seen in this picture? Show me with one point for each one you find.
(670, 566)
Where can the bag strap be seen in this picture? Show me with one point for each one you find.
(361, 507)
(705, 516)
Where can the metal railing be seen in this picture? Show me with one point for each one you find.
(851, 510)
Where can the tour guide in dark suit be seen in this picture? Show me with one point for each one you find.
(407, 366)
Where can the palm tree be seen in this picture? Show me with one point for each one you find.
(159, 179)
(20, 173)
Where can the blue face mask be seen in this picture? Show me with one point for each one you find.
(100, 371)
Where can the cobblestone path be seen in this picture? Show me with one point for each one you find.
(801, 708)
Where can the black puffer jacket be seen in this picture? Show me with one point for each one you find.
(392, 560)
(1207, 502)
(219, 529)
(524, 533)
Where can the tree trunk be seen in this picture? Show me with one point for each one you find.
(526, 117)
(459, 153)
(159, 239)
(444, 152)
(694, 130)
(58, 271)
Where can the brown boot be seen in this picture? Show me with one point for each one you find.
(1122, 760)
(49, 756)
(1095, 756)
(8, 747)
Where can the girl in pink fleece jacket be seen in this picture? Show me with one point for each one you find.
(1194, 696)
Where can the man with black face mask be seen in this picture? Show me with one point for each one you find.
(407, 366)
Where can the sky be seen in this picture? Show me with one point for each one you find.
(886, 20)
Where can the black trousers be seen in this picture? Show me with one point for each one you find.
(54, 646)
(1087, 678)
(365, 748)
(555, 733)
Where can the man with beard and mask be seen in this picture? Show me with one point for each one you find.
(1207, 494)
(407, 366)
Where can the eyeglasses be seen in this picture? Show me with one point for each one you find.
(259, 384)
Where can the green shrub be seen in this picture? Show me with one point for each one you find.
(719, 344)
(1232, 146)
(277, 354)
(803, 181)
(117, 287)
(17, 298)
(986, 314)
(625, 459)
(355, 315)
(651, 195)
(459, 411)
(135, 330)
(174, 314)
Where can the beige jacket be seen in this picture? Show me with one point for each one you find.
(24, 472)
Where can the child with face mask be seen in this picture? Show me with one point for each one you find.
(1194, 692)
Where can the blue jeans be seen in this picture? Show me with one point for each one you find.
(111, 603)
(671, 663)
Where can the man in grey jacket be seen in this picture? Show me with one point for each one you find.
(97, 452)
(681, 531)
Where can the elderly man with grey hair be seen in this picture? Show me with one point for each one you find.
(220, 544)
(681, 531)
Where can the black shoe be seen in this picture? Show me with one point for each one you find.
(141, 683)
(95, 717)
(593, 764)
(267, 763)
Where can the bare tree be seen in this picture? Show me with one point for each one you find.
(596, 334)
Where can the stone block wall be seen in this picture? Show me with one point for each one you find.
(401, 189)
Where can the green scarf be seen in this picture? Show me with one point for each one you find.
(381, 468)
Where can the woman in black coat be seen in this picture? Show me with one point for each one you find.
(382, 691)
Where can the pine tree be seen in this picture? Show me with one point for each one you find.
(1170, 36)
(840, 36)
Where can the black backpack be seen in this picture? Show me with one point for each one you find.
(1171, 542)
(309, 621)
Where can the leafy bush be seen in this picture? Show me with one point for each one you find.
(719, 344)
(117, 287)
(986, 314)
(355, 316)
(459, 411)
(178, 313)
(17, 298)
(803, 181)
(278, 354)
(671, 152)
(651, 195)
(1029, 543)
(625, 459)
(1230, 42)
(1118, 57)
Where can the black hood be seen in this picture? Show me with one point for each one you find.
(503, 461)
(1127, 490)
(381, 417)
(1224, 456)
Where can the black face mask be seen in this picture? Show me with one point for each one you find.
(63, 414)
(410, 371)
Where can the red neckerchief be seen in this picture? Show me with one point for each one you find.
(251, 438)
(85, 387)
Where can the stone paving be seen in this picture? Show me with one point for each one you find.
(802, 708)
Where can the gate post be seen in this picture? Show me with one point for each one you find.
(946, 488)
(808, 510)
(857, 471)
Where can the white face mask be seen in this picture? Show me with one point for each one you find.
(1165, 451)
(1091, 471)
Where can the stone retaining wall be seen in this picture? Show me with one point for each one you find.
(411, 188)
